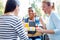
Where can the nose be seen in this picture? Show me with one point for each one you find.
(42, 8)
(31, 12)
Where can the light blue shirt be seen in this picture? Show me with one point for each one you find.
(54, 24)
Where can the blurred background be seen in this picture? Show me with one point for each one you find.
(36, 4)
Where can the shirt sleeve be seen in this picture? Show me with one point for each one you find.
(19, 28)
(56, 21)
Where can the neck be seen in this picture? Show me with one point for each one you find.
(9, 13)
(31, 18)
(49, 12)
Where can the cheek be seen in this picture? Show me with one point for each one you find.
(44, 9)
(17, 10)
(31, 15)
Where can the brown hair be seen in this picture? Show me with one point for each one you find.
(48, 3)
(53, 6)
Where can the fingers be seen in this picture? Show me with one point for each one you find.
(39, 30)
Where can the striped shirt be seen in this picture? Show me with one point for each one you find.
(11, 27)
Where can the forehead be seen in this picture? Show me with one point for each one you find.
(30, 10)
(44, 4)
(31, 13)
(47, 3)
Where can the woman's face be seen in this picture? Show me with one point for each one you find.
(44, 7)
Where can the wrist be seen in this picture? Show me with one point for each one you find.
(43, 31)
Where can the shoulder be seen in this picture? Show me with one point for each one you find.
(15, 18)
(54, 14)
(26, 19)
(37, 18)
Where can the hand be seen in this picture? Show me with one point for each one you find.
(26, 29)
(39, 30)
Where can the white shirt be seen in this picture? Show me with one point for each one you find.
(54, 24)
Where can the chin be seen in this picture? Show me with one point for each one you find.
(44, 11)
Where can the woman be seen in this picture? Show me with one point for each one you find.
(52, 28)
(10, 25)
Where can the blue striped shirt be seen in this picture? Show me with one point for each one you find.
(11, 27)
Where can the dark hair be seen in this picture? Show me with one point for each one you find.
(48, 3)
(53, 6)
(30, 8)
(10, 6)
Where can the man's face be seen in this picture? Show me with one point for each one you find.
(30, 10)
(45, 7)
(31, 13)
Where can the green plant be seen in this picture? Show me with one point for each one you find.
(1, 7)
(37, 10)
